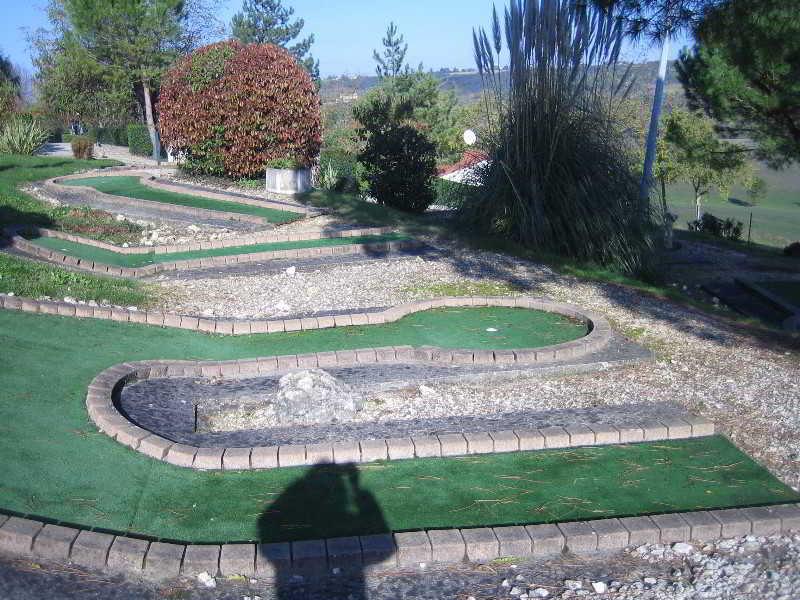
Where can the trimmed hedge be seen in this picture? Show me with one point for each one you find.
(117, 136)
(229, 109)
(139, 140)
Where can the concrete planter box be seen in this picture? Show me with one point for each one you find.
(288, 181)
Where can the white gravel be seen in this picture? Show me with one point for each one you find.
(749, 568)
(749, 386)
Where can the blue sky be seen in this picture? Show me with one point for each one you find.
(438, 32)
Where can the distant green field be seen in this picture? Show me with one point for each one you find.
(776, 218)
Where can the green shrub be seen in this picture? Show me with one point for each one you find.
(727, 229)
(229, 109)
(139, 140)
(351, 176)
(22, 135)
(792, 249)
(117, 136)
(328, 177)
(282, 163)
(82, 147)
(400, 166)
(451, 193)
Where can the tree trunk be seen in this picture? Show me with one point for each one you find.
(652, 134)
(151, 124)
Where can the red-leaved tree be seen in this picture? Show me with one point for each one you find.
(230, 109)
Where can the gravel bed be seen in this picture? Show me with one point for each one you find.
(400, 402)
(748, 384)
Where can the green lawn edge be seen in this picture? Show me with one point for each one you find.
(128, 186)
(109, 257)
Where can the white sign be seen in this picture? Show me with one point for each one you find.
(470, 138)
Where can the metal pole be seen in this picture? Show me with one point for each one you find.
(750, 228)
(652, 134)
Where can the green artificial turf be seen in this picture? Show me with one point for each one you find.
(57, 466)
(131, 187)
(109, 257)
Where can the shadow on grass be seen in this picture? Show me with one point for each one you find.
(10, 216)
(329, 497)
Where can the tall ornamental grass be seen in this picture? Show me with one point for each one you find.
(559, 179)
(22, 135)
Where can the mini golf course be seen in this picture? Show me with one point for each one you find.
(132, 187)
(58, 467)
(89, 253)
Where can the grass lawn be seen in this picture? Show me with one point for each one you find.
(776, 219)
(26, 278)
(109, 257)
(131, 187)
(18, 208)
(57, 466)
(35, 280)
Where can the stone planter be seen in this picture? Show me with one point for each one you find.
(288, 181)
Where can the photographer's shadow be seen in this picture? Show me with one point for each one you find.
(329, 499)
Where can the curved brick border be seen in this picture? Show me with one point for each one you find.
(597, 338)
(55, 186)
(101, 408)
(151, 181)
(268, 236)
(103, 412)
(20, 243)
(381, 552)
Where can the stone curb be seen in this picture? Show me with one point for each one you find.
(258, 237)
(28, 247)
(382, 552)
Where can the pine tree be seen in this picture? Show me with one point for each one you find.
(749, 80)
(269, 22)
(392, 63)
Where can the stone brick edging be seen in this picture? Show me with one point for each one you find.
(259, 237)
(382, 552)
(20, 243)
(597, 339)
(152, 182)
(105, 415)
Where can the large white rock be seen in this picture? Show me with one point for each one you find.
(315, 396)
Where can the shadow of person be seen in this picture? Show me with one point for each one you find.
(327, 502)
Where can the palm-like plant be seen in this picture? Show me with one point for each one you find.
(559, 179)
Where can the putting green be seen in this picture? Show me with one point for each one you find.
(130, 187)
(109, 257)
(57, 466)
